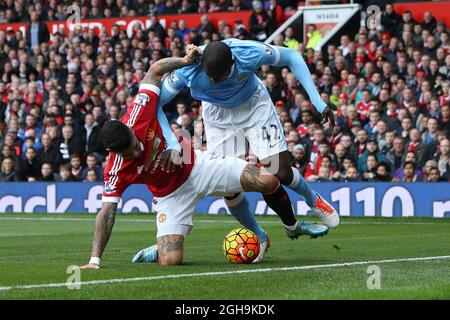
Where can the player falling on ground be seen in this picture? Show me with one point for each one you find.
(236, 107)
(138, 154)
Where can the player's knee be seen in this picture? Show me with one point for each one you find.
(285, 175)
(172, 259)
(268, 181)
(170, 250)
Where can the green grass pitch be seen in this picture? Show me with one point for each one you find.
(37, 249)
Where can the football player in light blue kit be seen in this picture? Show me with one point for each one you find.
(237, 106)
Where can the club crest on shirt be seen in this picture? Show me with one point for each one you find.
(141, 99)
(162, 217)
(150, 134)
(139, 169)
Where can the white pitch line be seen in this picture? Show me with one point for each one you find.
(219, 273)
(220, 221)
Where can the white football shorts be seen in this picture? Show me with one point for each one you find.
(210, 175)
(255, 121)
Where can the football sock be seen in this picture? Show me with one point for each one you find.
(278, 200)
(293, 227)
(239, 208)
(301, 186)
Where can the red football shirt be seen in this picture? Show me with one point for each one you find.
(119, 172)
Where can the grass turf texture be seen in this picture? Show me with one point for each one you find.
(34, 250)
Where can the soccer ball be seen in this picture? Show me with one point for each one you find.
(241, 246)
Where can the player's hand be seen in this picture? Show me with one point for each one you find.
(170, 160)
(328, 115)
(192, 52)
(91, 266)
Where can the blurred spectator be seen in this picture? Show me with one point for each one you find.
(65, 173)
(75, 163)
(90, 135)
(443, 156)
(314, 37)
(37, 31)
(91, 164)
(91, 176)
(30, 166)
(435, 176)
(299, 159)
(47, 174)
(259, 21)
(49, 153)
(8, 173)
(69, 144)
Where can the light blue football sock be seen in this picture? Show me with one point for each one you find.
(240, 209)
(301, 186)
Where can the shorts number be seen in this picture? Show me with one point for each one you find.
(267, 136)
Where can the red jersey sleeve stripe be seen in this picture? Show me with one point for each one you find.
(150, 87)
(133, 115)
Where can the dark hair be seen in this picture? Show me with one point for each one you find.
(65, 166)
(216, 59)
(411, 163)
(115, 135)
(386, 166)
(92, 170)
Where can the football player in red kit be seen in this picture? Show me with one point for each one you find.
(138, 155)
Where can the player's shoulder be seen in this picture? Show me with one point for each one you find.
(186, 73)
(249, 51)
(237, 44)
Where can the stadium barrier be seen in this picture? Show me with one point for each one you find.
(351, 199)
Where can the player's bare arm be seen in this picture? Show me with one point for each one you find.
(103, 227)
(170, 159)
(167, 65)
(258, 179)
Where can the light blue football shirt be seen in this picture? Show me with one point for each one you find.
(240, 85)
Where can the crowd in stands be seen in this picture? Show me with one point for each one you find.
(390, 87)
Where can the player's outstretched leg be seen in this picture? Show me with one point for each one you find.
(320, 206)
(259, 179)
(167, 252)
(239, 207)
(278, 200)
(279, 165)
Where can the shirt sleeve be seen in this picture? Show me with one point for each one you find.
(255, 54)
(115, 183)
(171, 85)
(294, 60)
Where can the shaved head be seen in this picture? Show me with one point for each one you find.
(217, 61)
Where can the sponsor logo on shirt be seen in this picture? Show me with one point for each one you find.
(153, 152)
(158, 160)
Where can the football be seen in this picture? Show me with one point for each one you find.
(241, 246)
